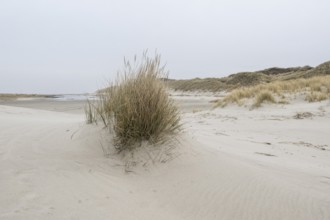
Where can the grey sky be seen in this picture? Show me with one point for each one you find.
(74, 46)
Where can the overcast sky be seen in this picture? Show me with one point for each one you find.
(74, 46)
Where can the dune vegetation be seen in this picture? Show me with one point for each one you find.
(246, 79)
(137, 107)
(312, 89)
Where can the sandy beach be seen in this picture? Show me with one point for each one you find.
(228, 163)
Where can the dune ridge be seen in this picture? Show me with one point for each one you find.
(246, 79)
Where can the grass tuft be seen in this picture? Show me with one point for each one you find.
(137, 106)
(264, 96)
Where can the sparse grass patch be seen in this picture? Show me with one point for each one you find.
(316, 96)
(137, 106)
(302, 115)
(283, 101)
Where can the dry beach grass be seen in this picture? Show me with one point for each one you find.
(137, 106)
(313, 89)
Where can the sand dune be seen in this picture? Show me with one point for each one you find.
(229, 163)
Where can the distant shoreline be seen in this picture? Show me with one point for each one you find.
(10, 96)
(58, 97)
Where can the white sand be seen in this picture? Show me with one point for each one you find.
(231, 163)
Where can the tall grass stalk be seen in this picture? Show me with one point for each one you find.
(90, 112)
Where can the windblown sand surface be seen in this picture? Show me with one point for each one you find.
(231, 163)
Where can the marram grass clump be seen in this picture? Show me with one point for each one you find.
(264, 96)
(137, 106)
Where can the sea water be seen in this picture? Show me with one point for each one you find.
(75, 97)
